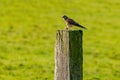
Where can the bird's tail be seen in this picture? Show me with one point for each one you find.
(82, 26)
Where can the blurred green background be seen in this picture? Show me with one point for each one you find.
(28, 33)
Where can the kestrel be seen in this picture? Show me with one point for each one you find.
(70, 23)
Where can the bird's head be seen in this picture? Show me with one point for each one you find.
(65, 17)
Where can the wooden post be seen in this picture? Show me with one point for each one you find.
(68, 55)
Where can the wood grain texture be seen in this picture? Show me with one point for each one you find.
(68, 55)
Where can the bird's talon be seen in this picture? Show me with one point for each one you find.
(66, 28)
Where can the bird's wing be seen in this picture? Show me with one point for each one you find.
(71, 21)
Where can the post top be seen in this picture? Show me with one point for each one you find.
(71, 30)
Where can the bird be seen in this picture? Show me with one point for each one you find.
(70, 23)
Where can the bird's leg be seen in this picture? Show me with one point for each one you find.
(67, 28)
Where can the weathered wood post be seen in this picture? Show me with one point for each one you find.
(68, 55)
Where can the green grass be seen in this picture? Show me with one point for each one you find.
(28, 32)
